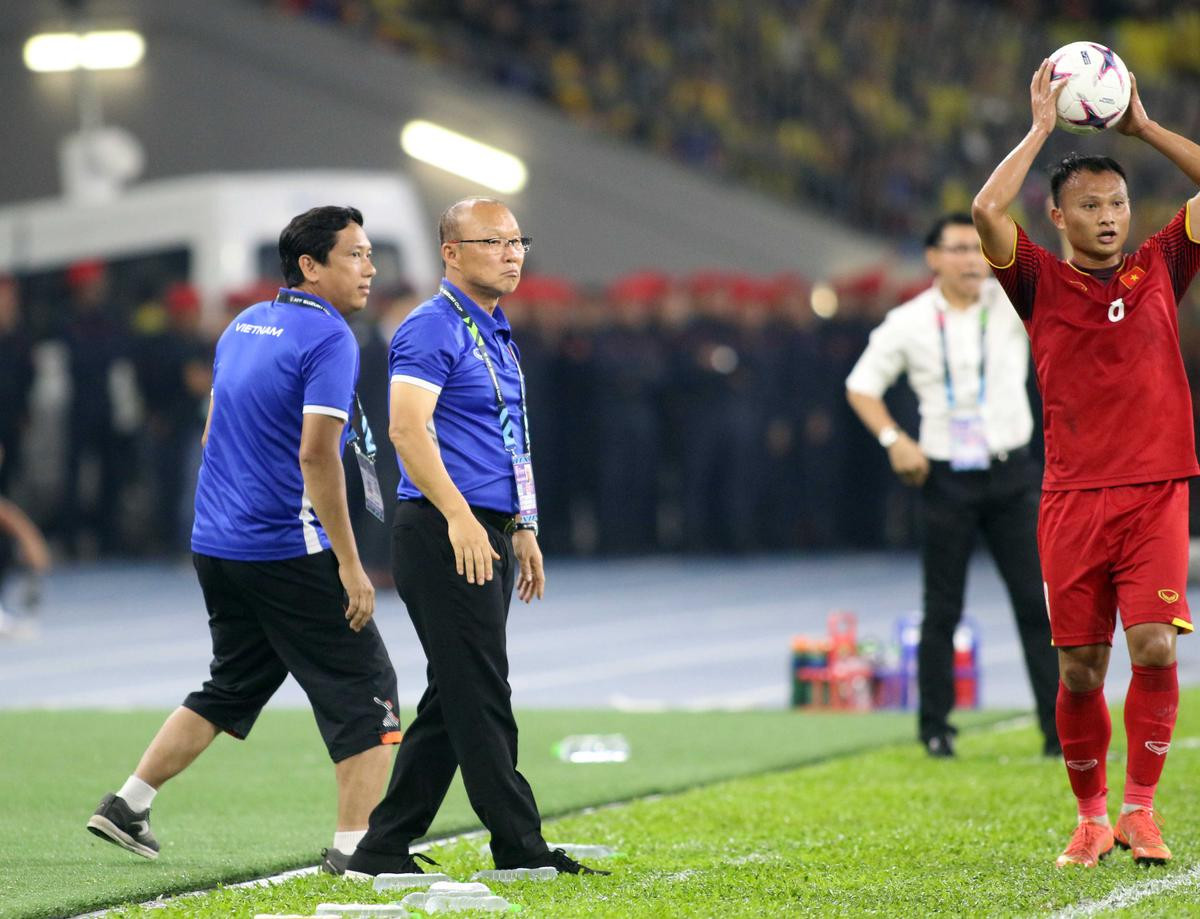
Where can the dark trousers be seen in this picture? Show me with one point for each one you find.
(1002, 504)
(464, 719)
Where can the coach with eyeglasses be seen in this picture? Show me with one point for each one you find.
(464, 532)
(966, 356)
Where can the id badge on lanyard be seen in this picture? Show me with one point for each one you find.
(968, 436)
(370, 479)
(522, 464)
(372, 493)
(968, 443)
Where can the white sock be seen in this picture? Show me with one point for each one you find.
(137, 794)
(1130, 808)
(1102, 820)
(347, 841)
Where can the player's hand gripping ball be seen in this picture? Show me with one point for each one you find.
(1097, 91)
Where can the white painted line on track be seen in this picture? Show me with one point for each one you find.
(1129, 894)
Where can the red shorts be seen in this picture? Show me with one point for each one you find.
(1107, 548)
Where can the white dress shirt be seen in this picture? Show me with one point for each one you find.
(909, 341)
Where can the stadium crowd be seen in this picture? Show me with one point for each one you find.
(699, 414)
(914, 99)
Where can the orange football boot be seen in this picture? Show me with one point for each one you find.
(1089, 843)
(1138, 830)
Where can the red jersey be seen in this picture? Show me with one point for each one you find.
(1117, 409)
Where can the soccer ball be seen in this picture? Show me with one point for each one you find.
(1097, 92)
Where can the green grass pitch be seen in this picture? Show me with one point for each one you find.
(761, 814)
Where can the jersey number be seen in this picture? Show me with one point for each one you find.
(1116, 310)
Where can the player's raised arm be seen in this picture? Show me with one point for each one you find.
(1178, 149)
(997, 233)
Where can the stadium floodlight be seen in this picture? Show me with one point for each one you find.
(463, 156)
(56, 52)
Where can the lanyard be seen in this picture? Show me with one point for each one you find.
(983, 318)
(360, 428)
(510, 442)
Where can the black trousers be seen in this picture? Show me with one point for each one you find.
(1002, 504)
(464, 719)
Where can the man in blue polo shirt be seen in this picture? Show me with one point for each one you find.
(465, 531)
(273, 548)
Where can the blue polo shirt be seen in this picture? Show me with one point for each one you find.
(277, 362)
(433, 349)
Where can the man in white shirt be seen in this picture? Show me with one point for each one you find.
(966, 356)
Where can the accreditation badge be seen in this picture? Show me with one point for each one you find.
(370, 479)
(526, 492)
(968, 443)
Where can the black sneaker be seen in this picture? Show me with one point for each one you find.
(334, 861)
(940, 746)
(115, 822)
(372, 863)
(563, 862)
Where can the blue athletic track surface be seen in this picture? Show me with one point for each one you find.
(635, 634)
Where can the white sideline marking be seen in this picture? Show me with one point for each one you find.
(1128, 894)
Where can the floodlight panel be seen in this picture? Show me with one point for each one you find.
(463, 156)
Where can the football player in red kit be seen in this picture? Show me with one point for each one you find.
(1113, 527)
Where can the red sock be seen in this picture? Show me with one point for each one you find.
(1084, 730)
(1150, 709)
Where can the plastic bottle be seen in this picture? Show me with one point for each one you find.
(360, 910)
(593, 748)
(444, 897)
(400, 881)
(508, 875)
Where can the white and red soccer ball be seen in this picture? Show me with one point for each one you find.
(1098, 86)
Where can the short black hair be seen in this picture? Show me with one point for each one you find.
(955, 219)
(1078, 162)
(312, 233)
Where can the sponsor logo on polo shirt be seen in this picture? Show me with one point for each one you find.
(250, 328)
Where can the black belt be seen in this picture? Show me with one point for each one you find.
(1004, 457)
(1012, 456)
(497, 520)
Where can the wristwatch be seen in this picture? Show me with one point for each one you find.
(889, 436)
(519, 524)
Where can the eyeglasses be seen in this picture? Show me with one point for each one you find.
(495, 243)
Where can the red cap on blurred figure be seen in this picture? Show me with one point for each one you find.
(85, 272)
(181, 299)
(866, 283)
(788, 284)
(254, 292)
(544, 290)
(640, 287)
(706, 283)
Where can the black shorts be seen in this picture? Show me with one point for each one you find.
(269, 619)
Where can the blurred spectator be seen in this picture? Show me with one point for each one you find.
(374, 328)
(16, 381)
(97, 451)
(174, 374)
